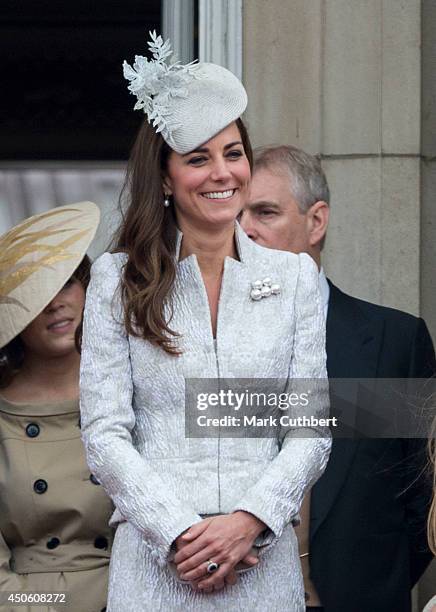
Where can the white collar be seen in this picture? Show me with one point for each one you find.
(243, 243)
(324, 289)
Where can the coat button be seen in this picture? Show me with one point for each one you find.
(100, 542)
(40, 486)
(53, 543)
(32, 430)
(93, 479)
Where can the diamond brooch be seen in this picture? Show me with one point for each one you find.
(262, 289)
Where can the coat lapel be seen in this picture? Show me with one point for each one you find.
(353, 346)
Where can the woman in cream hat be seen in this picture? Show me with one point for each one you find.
(203, 524)
(54, 534)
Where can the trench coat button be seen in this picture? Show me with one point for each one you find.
(93, 479)
(100, 542)
(40, 486)
(53, 543)
(32, 430)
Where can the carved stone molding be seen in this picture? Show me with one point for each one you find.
(220, 33)
(178, 26)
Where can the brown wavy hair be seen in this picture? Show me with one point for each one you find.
(12, 355)
(148, 235)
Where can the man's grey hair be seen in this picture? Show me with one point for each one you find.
(308, 183)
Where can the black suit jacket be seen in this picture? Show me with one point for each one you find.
(369, 509)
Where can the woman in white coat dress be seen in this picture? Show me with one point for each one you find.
(179, 300)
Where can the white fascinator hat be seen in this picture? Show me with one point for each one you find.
(37, 257)
(188, 104)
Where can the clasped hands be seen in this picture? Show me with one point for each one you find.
(226, 539)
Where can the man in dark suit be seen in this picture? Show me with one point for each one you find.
(363, 532)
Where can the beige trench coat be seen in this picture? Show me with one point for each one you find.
(54, 534)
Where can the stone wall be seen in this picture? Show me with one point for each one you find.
(354, 81)
(343, 79)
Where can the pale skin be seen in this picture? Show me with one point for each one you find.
(209, 187)
(272, 218)
(50, 371)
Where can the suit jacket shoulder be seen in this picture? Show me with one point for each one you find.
(369, 310)
(394, 343)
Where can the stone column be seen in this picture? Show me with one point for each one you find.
(220, 33)
(428, 207)
(342, 78)
(178, 26)
(354, 81)
(428, 166)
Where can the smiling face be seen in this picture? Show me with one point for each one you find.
(209, 185)
(51, 333)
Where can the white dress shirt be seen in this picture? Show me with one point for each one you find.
(324, 290)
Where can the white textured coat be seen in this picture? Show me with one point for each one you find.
(132, 402)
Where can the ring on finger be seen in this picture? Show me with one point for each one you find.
(212, 566)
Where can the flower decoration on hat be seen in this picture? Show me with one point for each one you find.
(155, 82)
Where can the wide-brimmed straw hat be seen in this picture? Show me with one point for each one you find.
(37, 257)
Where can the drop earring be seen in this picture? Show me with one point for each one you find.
(166, 202)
